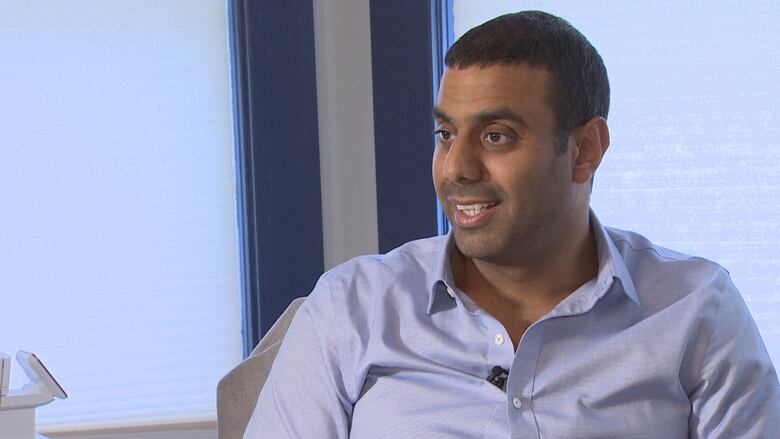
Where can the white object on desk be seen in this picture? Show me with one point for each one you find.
(5, 373)
(17, 407)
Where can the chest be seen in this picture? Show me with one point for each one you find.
(514, 317)
(564, 381)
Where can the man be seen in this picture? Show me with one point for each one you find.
(530, 319)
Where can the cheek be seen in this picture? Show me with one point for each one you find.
(522, 186)
(512, 174)
(437, 165)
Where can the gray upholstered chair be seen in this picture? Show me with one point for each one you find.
(237, 391)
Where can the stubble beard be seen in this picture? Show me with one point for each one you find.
(522, 239)
(500, 244)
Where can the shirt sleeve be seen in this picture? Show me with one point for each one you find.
(737, 394)
(304, 395)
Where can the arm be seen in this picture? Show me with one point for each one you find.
(737, 393)
(304, 396)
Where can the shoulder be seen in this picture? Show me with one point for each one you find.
(354, 302)
(658, 271)
(694, 302)
(411, 261)
(358, 286)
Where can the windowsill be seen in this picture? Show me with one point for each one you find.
(182, 430)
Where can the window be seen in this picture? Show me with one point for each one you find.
(118, 239)
(695, 153)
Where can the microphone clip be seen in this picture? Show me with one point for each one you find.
(498, 376)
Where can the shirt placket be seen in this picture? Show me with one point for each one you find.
(500, 349)
(500, 353)
(520, 385)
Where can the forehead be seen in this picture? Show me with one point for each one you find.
(518, 87)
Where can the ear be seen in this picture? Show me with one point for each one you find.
(592, 141)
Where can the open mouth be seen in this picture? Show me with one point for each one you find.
(472, 214)
(473, 209)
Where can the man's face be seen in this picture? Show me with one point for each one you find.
(505, 191)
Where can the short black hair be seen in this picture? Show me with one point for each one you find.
(579, 83)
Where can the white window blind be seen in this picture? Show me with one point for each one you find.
(694, 118)
(118, 246)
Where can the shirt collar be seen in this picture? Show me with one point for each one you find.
(441, 280)
(612, 267)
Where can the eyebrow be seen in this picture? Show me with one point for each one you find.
(484, 117)
(440, 115)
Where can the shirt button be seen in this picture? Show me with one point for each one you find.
(517, 402)
(498, 339)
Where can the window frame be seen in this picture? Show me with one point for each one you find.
(277, 158)
(408, 41)
(402, 50)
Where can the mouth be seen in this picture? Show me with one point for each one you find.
(472, 214)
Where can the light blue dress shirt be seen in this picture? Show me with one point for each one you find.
(658, 345)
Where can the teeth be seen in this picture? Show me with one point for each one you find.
(472, 209)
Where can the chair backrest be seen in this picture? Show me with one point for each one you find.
(237, 391)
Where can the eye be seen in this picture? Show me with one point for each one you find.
(497, 139)
(443, 136)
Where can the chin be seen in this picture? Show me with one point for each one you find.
(475, 246)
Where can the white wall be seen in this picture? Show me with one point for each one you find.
(346, 129)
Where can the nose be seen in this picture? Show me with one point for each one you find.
(462, 164)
